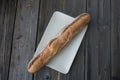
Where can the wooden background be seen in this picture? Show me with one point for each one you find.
(22, 23)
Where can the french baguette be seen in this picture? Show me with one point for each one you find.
(55, 45)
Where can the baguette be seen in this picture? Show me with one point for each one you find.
(55, 45)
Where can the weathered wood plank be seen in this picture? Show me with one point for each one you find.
(74, 7)
(24, 39)
(98, 41)
(2, 11)
(115, 40)
(7, 16)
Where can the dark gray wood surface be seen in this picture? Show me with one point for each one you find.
(22, 24)
(115, 40)
(7, 18)
(24, 38)
(98, 41)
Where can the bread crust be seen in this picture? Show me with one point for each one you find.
(55, 45)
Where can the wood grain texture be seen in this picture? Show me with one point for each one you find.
(23, 39)
(7, 15)
(21, 31)
(115, 40)
(2, 11)
(98, 41)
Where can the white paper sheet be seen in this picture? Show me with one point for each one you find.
(62, 61)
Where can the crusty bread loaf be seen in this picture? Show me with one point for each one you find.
(55, 45)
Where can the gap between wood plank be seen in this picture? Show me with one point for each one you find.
(12, 38)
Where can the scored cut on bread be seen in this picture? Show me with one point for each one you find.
(56, 44)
